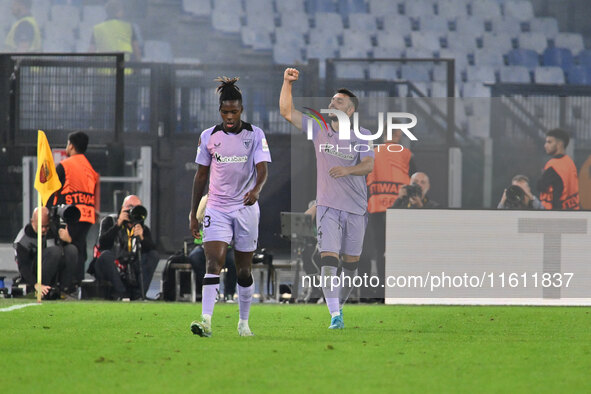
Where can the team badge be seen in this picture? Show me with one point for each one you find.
(247, 143)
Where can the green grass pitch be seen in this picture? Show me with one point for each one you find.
(148, 347)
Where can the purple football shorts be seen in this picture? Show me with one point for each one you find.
(340, 231)
(242, 226)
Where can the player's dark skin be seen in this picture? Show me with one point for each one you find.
(215, 251)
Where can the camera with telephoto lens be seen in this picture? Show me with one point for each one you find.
(515, 198)
(137, 214)
(413, 190)
(61, 216)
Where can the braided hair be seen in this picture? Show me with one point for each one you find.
(228, 90)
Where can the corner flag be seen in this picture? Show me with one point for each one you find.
(46, 179)
(46, 182)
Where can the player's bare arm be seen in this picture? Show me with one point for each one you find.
(286, 108)
(361, 169)
(253, 195)
(199, 183)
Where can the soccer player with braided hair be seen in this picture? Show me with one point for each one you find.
(234, 156)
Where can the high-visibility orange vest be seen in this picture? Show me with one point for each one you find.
(390, 172)
(566, 169)
(79, 187)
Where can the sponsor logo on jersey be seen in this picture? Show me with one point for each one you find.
(230, 159)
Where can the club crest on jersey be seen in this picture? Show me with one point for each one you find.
(247, 143)
(217, 145)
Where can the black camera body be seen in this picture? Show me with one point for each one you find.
(61, 216)
(137, 214)
(414, 190)
(515, 198)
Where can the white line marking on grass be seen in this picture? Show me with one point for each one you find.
(15, 307)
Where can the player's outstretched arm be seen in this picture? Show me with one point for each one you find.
(286, 108)
(199, 183)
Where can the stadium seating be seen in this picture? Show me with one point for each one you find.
(549, 75)
(535, 41)
(359, 38)
(572, 41)
(483, 74)
(328, 21)
(348, 7)
(522, 10)
(514, 74)
(475, 89)
(415, 72)
(386, 71)
(561, 57)
(452, 8)
(523, 57)
(433, 23)
(288, 7)
(490, 8)
(315, 6)
(365, 22)
(197, 7)
(381, 7)
(350, 70)
(397, 24)
(417, 9)
(584, 58)
(487, 57)
(257, 39)
(227, 22)
(546, 26)
(425, 40)
(579, 75)
(296, 22)
(507, 25)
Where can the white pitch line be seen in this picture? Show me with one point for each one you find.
(18, 306)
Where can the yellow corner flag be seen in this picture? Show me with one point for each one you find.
(46, 182)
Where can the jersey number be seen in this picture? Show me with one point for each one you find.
(206, 221)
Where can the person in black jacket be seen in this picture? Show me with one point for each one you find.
(118, 262)
(58, 258)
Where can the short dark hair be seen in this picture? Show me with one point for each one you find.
(79, 140)
(559, 134)
(520, 178)
(349, 93)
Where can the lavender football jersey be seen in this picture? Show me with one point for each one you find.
(232, 159)
(348, 193)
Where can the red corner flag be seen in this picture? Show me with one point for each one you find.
(46, 181)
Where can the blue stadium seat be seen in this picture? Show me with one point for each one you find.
(360, 38)
(287, 7)
(286, 55)
(507, 25)
(388, 39)
(475, 89)
(470, 26)
(259, 6)
(460, 42)
(348, 7)
(398, 24)
(549, 75)
(315, 6)
(388, 53)
(433, 23)
(225, 21)
(382, 7)
(546, 26)
(522, 10)
(329, 21)
(452, 8)
(225, 5)
(514, 74)
(386, 71)
(258, 39)
(419, 53)
(289, 38)
(486, 57)
(572, 41)
(327, 39)
(584, 58)
(579, 75)
(295, 22)
(415, 72)
(561, 57)
(483, 74)
(523, 57)
(350, 70)
(426, 40)
(486, 8)
(417, 9)
(261, 21)
(366, 22)
(501, 43)
(353, 52)
(535, 41)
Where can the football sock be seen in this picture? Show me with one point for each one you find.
(245, 290)
(209, 292)
(349, 272)
(331, 293)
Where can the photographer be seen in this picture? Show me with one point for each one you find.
(121, 243)
(519, 195)
(415, 194)
(59, 259)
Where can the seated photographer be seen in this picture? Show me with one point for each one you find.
(415, 194)
(59, 257)
(197, 260)
(519, 195)
(121, 243)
